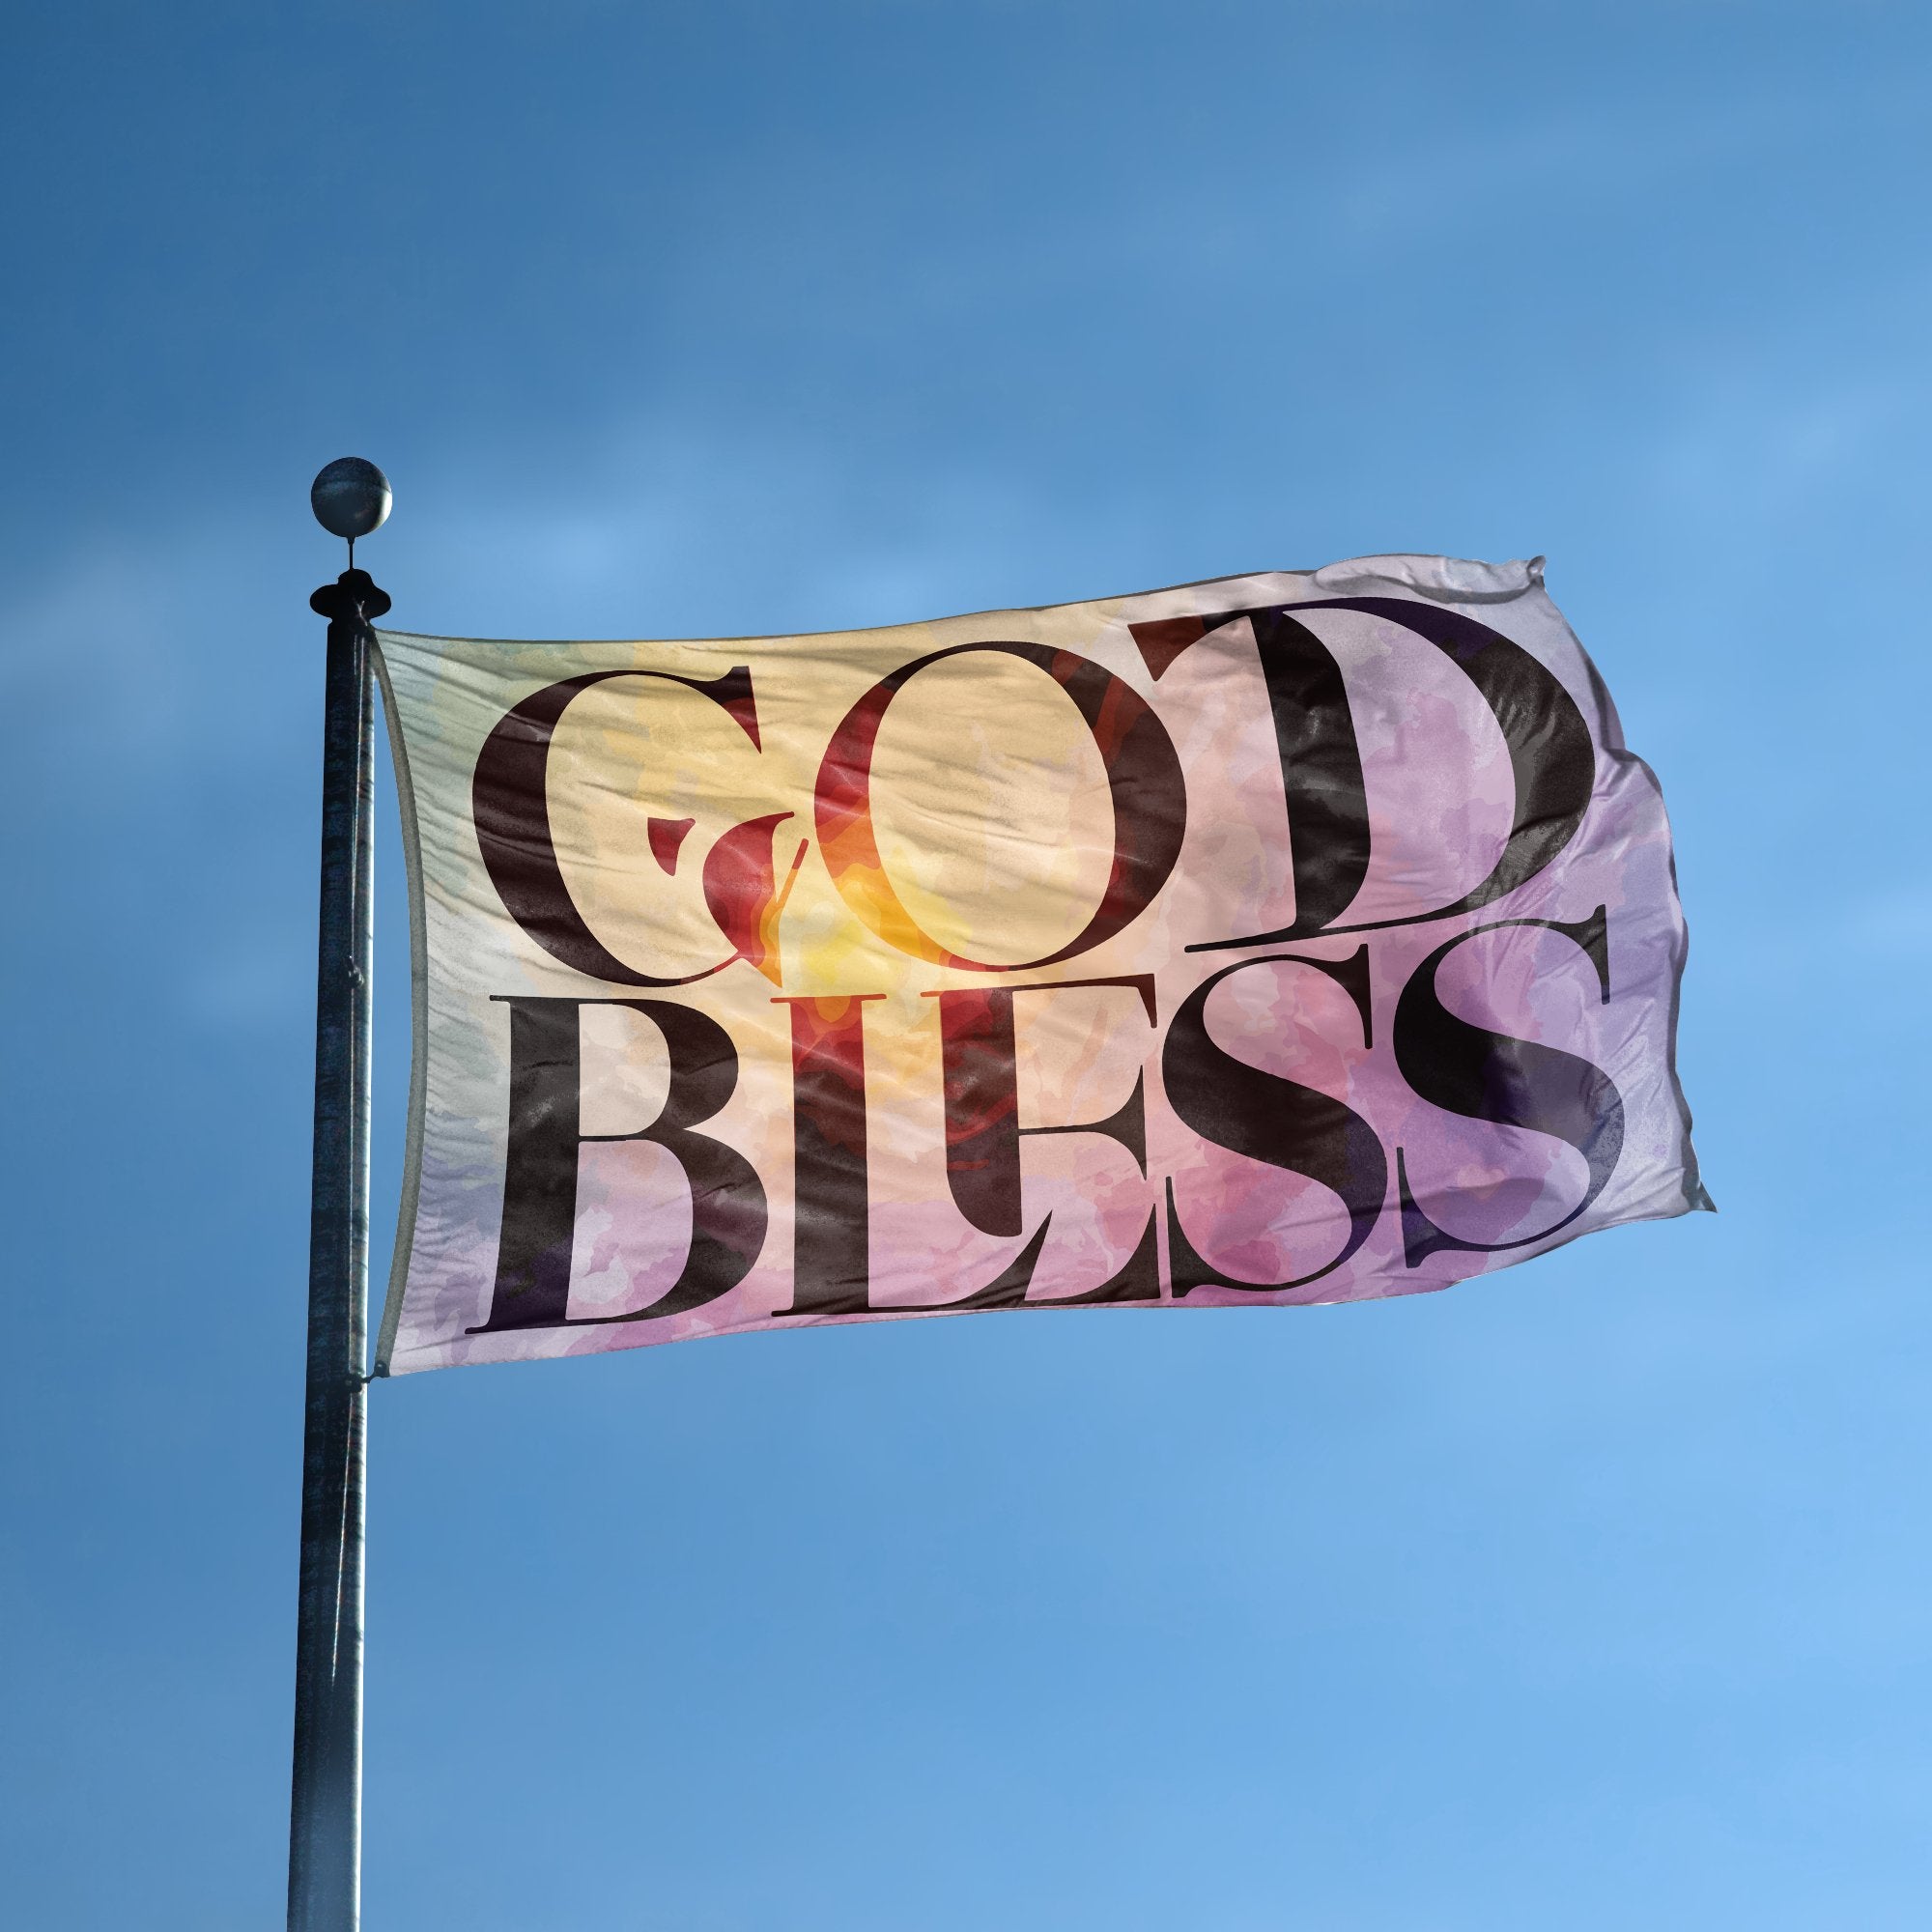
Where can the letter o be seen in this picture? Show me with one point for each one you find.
(1144, 781)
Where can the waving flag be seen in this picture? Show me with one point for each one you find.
(1302, 937)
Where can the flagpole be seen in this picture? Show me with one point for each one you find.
(351, 498)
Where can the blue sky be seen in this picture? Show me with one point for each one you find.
(1595, 1595)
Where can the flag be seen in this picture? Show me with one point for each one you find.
(1300, 937)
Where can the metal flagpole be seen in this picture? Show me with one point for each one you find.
(351, 498)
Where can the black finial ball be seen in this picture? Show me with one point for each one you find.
(350, 497)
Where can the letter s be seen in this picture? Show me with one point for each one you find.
(1517, 1083)
(1267, 1118)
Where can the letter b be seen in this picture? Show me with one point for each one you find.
(727, 1200)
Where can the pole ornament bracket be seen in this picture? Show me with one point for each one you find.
(353, 598)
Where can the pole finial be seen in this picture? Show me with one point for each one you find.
(350, 497)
